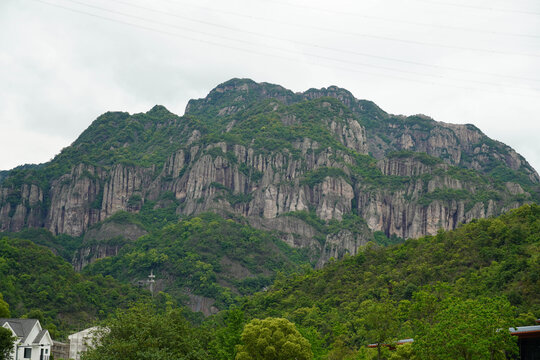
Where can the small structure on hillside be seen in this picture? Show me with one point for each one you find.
(393, 346)
(150, 283)
(33, 342)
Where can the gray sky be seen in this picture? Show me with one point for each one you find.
(65, 62)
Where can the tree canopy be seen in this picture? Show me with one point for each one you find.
(6, 343)
(141, 333)
(273, 339)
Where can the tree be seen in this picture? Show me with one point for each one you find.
(6, 343)
(379, 322)
(4, 308)
(468, 330)
(140, 333)
(273, 339)
(227, 336)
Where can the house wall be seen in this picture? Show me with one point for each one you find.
(79, 342)
(36, 352)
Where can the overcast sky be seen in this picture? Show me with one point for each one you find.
(65, 62)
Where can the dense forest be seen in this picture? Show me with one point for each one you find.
(488, 269)
(450, 293)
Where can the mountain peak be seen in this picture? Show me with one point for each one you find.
(158, 110)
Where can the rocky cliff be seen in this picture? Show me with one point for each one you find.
(321, 168)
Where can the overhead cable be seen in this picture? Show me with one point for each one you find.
(266, 54)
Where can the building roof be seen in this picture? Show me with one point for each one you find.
(399, 342)
(86, 332)
(21, 327)
(525, 330)
(40, 336)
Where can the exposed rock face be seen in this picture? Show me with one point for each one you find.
(122, 183)
(28, 210)
(324, 176)
(90, 254)
(203, 304)
(71, 195)
(105, 240)
(344, 242)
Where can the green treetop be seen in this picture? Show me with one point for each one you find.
(273, 339)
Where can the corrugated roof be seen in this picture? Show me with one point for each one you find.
(525, 329)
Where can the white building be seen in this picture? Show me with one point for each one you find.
(33, 342)
(79, 342)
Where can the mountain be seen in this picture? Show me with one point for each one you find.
(324, 171)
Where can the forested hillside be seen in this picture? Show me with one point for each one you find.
(486, 259)
(205, 260)
(38, 284)
(452, 293)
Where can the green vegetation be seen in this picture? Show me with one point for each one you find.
(488, 269)
(417, 288)
(468, 329)
(419, 156)
(63, 245)
(143, 333)
(202, 252)
(273, 339)
(422, 279)
(4, 308)
(454, 293)
(6, 343)
(317, 176)
(37, 283)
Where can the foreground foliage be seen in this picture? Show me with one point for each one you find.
(273, 339)
(464, 287)
(6, 343)
(141, 333)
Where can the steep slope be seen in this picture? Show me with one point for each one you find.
(486, 258)
(206, 261)
(324, 170)
(37, 283)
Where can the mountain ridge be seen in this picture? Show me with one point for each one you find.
(285, 161)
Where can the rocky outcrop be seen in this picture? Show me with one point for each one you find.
(122, 185)
(326, 173)
(72, 196)
(20, 208)
(105, 240)
(342, 243)
(202, 304)
(94, 252)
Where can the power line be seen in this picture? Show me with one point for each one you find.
(388, 38)
(262, 53)
(341, 32)
(505, 10)
(340, 60)
(294, 42)
(401, 21)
